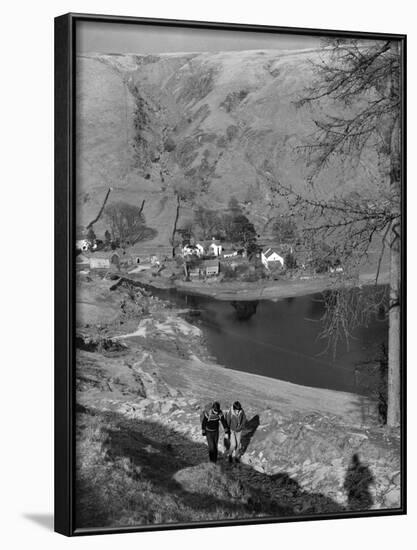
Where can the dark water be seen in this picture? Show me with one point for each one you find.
(281, 340)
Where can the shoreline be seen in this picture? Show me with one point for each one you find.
(248, 291)
(176, 351)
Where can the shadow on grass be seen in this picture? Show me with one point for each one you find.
(249, 431)
(357, 485)
(175, 473)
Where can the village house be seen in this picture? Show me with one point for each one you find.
(150, 261)
(82, 244)
(82, 261)
(230, 254)
(211, 267)
(106, 259)
(229, 251)
(192, 250)
(207, 268)
(215, 248)
(271, 258)
(99, 263)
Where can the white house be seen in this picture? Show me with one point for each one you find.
(99, 263)
(108, 259)
(270, 258)
(83, 245)
(215, 248)
(192, 250)
(336, 269)
(231, 254)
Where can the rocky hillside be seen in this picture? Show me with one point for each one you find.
(143, 376)
(222, 122)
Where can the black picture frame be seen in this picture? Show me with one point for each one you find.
(65, 85)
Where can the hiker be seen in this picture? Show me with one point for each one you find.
(235, 420)
(211, 417)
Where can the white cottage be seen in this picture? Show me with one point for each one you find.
(192, 250)
(215, 248)
(270, 258)
(83, 244)
(230, 254)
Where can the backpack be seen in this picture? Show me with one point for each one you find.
(206, 412)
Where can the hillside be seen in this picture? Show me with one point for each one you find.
(143, 376)
(221, 120)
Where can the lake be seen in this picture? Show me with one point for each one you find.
(281, 339)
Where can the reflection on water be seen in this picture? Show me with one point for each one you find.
(282, 340)
(244, 310)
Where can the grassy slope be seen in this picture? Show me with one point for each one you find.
(143, 473)
(140, 454)
(202, 96)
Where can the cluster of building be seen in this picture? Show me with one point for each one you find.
(95, 255)
(104, 259)
(200, 259)
(212, 253)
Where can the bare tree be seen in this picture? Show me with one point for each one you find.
(208, 220)
(355, 102)
(91, 236)
(127, 222)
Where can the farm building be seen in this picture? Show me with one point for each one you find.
(99, 263)
(110, 259)
(211, 267)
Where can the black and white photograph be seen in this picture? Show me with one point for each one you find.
(238, 275)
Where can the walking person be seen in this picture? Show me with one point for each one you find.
(235, 420)
(212, 416)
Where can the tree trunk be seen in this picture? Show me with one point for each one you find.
(394, 334)
(174, 230)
